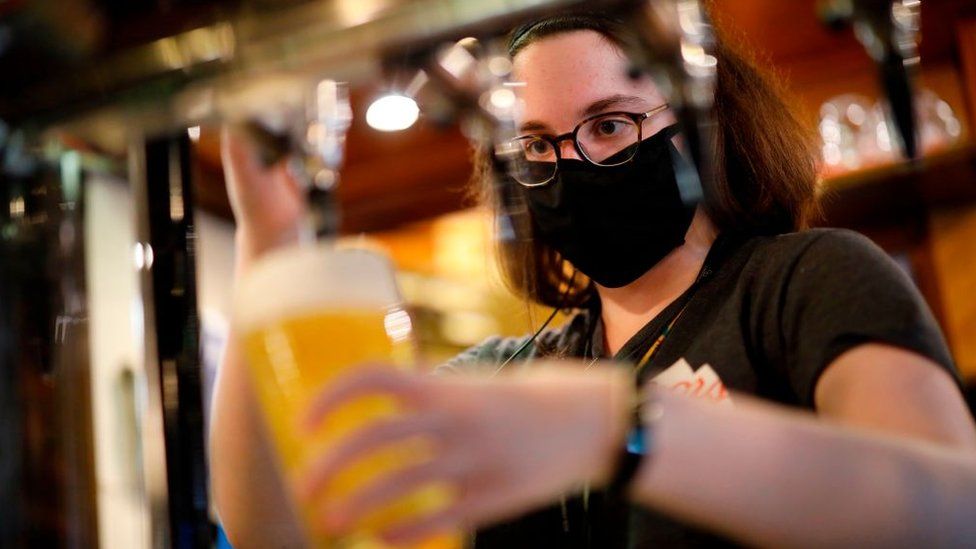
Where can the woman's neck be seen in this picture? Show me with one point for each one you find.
(627, 309)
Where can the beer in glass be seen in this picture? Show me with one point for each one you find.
(304, 317)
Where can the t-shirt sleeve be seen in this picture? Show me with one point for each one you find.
(487, 356)
(474, 359)
(514, 352)
(843, 291)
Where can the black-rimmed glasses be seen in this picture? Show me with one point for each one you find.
(608, 139)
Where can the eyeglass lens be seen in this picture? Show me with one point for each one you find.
(608, 140)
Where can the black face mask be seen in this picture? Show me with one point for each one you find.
(614, 224)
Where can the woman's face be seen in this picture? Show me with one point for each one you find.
(574, 75)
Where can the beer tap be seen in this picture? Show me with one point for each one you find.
(890, 31)
(304, 123)
(677, 48)
(324, 145)
(474, 77)
(469, 81)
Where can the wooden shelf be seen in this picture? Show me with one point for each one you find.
(897, 194)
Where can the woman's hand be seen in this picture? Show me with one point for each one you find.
(506, 444)
(267, 201)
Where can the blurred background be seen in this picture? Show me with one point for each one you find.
(74, 236)
(411, 192)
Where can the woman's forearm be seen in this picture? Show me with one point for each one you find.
(251, 501)
(770, 477)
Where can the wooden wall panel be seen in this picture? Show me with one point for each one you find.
(966, 32)
(953, 247)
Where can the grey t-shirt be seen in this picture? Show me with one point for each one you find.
(768, 317)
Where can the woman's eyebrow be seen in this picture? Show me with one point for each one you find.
(613, 101)
(596, 107)
(533, 126)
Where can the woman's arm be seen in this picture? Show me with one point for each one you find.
(887, 389)
(251, 501)
(772, 477)
(758, 473)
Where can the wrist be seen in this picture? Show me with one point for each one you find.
(634, 451)
(620, 404)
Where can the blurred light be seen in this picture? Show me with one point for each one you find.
(856, 114)
(953, 128)
(194, 133)
(830, 130)
(142, 255)
(696, 56)
(831, 154)
(71, 177)
(392, 113)
(884, 138)
(503, 98)
(500, 65)
(17, 207)
(398, 325)
(356, 12)
(456, 60)
(325, 179)
(138, 258)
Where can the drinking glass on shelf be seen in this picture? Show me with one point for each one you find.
(939, 127)
(849, 130)
(857, 132)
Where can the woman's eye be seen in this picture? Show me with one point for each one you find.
(609, 128)
(538, 147)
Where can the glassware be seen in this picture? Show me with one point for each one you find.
(857, 132)
(306, 316)
(853, 133)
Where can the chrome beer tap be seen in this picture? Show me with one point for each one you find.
(677, 49)
(890, 30)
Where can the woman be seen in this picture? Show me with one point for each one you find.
(723, 297)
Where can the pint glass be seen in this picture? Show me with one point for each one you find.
(305, 316)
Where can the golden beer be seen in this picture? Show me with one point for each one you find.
(307, 316)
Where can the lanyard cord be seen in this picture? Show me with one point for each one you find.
(535, 336)
(646, 359)
(703, 275)
(708, 268)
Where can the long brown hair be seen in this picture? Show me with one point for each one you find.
(765, 178)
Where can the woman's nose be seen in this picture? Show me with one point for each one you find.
(567, 150)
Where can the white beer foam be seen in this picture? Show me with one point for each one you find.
(304, 279)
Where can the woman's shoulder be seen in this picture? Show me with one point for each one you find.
(830, 252)
(816, 241)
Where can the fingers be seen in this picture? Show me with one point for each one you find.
(368, 380)
(390, 488)
(448, 521)
(475, 508)
(362, 442)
